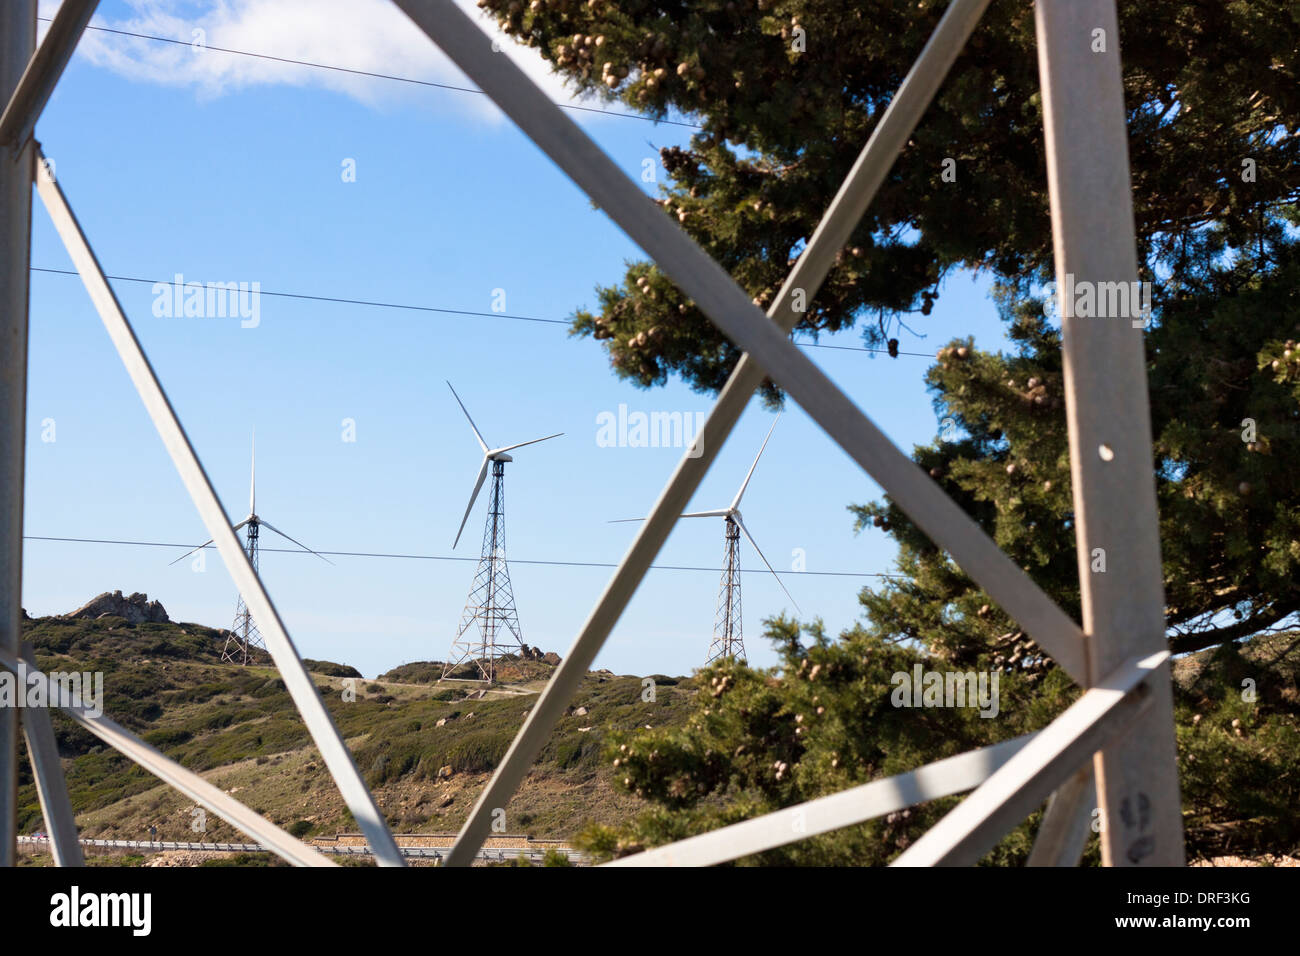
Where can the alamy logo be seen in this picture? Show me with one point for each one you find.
(74, 908)
(924, 688)
(1100, 300)
(208, 300)
(654, 430)
(25, 688)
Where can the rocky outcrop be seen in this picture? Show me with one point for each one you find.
(536, 654)
(137, 608)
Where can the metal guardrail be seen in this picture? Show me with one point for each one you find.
(488, 854)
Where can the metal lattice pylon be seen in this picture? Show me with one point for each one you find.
(1125, 718)
(489, 625)
(24, 163)
(728, 633)
(244, 635)
(1122, 724)
(728, 640)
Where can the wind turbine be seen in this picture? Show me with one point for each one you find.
(728, 638)
(244, 634)
(491, 602)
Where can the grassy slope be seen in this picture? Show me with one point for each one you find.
(238, 726)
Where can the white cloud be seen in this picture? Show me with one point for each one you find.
(372, 36)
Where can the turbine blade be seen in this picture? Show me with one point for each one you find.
(477, 434)
(267, 524)
(691, 514)
(736, 518)
(252, 480)
(189, 552)
(482, 473)
(204, 545)
(740, 494)
(496, 451)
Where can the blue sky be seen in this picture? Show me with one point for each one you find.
(223, 168)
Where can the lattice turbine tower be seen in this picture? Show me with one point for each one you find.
(489, 625)
(244, 635)
(728, 640)
(728, 632)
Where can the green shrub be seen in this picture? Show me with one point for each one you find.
(330, 669)
(167, 737)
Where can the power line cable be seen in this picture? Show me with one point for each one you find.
(450, 557)
(327, 298)
(373, 303)
(441, 86)
(379, 76)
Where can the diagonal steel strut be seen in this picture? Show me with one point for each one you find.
(170, 772)
(298, 682)
(43, 71)
(824, 814)
(766, 342)
(51, 785)
(1106, 712)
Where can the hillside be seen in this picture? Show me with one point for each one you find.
(425, 750)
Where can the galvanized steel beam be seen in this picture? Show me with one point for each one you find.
(298, 682)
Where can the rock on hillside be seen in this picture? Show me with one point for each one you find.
(537, 654)
(137, 608)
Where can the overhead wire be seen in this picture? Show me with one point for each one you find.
(371, 303)
(372, 74)
(447, 557)
(427, 83)
(378, 304)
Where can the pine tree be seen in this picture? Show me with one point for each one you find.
(788, 91)
(827, 718)
(1225, 410)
